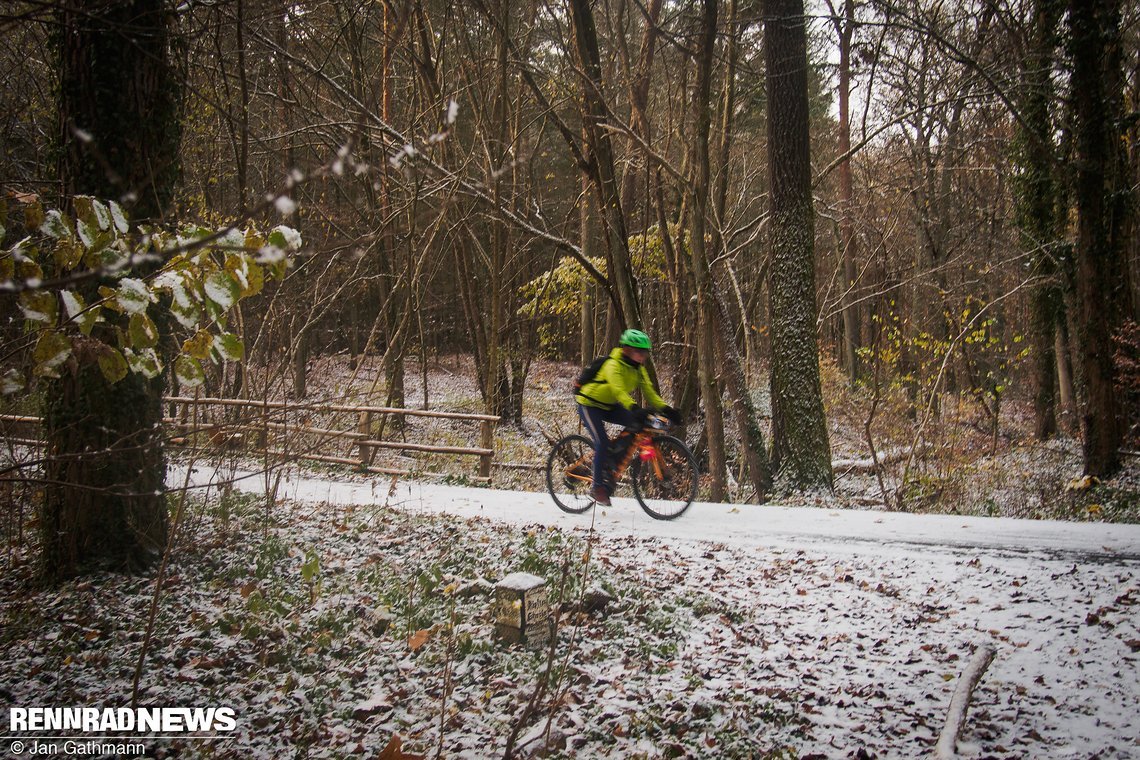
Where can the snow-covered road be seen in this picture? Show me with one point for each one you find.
(853, 531)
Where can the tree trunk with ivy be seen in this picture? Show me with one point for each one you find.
(1037, 205)
(1103, 201)
(104, 503)
(801, 457)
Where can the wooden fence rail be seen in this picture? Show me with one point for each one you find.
(269, 428)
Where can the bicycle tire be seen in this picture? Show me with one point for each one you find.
(666, 497)
(572, 492)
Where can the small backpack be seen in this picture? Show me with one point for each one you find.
(589, 373)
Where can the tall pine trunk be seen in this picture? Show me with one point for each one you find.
(801, 457)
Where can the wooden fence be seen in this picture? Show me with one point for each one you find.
(333, 433)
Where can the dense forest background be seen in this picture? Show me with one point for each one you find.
(935, 199)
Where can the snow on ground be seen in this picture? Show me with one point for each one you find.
(957, 471)
(349, 613)
(353, 611)
(841, 630)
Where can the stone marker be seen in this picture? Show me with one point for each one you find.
(522, 610)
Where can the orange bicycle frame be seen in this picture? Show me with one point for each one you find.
(640, 446)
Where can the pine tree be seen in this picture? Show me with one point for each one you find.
(801, 457)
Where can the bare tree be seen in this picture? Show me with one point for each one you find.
(852, 323)
(699, 210)
(600, 164)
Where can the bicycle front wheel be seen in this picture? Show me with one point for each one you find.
(569, 474)
(665, 478)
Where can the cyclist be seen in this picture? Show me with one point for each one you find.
(606, 398)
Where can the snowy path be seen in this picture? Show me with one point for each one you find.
(853, 531)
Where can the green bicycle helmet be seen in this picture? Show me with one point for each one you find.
(634, 339)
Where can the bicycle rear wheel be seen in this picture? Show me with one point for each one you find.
(569, 474)
(665, 479)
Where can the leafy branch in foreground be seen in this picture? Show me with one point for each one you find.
(196, 276)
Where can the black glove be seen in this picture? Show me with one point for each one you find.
(640, 415)
(671, 414)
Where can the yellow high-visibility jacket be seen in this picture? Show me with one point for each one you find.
(615, 381)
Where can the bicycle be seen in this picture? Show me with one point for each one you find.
(663, 470)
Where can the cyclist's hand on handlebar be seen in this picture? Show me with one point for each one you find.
(671, 414)
(640, 415)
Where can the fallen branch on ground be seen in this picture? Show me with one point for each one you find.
(960, 702)
(864, 466)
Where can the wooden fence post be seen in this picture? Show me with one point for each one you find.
(365, 427)
(487, 441)
(262, 441)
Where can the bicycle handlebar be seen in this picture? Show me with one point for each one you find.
(656, 422)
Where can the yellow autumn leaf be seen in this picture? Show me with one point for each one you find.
(199, 345)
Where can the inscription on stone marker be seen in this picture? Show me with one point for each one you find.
(521, 608)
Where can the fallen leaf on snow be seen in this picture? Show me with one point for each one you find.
(394, 752)
(418, 639)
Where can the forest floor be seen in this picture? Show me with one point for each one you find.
(355, 614)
